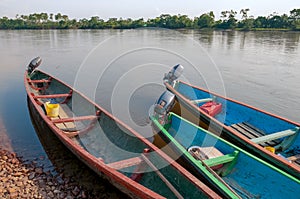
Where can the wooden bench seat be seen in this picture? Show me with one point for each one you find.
(213, 158)
(126, 163)
(39, 81)
(274, 136)
(52, 96)
(220, 160)
(252, 132)
(71, 125)
(65, 113)
(198, 101)
(74, 119)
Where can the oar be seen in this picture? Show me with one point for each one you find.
(162, 177)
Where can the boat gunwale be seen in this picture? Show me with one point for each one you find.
(117, 178)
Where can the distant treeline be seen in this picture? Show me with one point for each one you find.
(205, 21)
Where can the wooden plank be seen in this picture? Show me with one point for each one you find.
(294, 157)
(258, 133)
(198, 101)
(52, 96)
(125, 163)
(253, 128)
(252, 132)
(243, 131)
(66, 112)
(63, 109)
(273, 136)
(59, 125)
(219, 160)
(39, 81)
(74, 119)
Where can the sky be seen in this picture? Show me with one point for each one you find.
(146, 9)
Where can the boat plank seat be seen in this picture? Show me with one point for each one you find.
(65, 112)
(52, 96)
(72, 125)
(74, 119)
(213, 158)
(126, 163)
(274, 136)
(39, 81)
(198, 101)
(252, 132)
(39, 84)
(220, 160)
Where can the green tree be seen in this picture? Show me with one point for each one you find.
(229, 20)
(276, 21)
(247, 22)
(111, 23)
(261, 22)
(58, 17)
(206, 20)
(138, 23)
(295, 19)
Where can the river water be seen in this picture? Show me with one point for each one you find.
(122, 71)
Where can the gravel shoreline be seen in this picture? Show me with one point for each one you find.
(27, 180)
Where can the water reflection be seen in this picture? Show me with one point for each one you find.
(286, 41)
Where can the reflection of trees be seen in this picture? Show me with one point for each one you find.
(205, 37)
(228, 38)
(291, 41)
(243, 39)
(287, 40)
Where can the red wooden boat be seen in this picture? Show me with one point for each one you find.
(105, 144)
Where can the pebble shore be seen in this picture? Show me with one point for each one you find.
(27, 180)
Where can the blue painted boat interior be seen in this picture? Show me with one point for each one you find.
(233, 113)
(250, 177)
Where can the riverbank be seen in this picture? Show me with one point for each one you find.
(28, 180)
(206, 20)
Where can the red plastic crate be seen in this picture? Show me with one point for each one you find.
(212, 108)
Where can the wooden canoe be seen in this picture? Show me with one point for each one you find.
(265, 135)
(215, 160)
(105, 144)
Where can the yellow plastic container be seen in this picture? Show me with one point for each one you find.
(271, 149)
(52, 110)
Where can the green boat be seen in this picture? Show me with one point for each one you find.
(219, 163)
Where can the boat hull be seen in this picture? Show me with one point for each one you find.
(193, 113)
(248, 175)
(101, 139)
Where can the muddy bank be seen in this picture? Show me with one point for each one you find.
(28, 180)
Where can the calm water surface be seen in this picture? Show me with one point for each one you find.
(122, 71)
